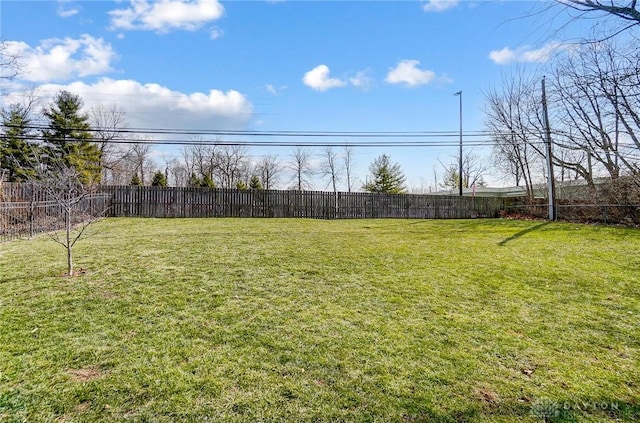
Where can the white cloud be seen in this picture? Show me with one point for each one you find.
(525, 54)
(216, 33)
(504, 56)
(444, 79)
(361, 80)
(408, 73)
(318, 79)
(156, 106)
(164, 15)
(63, 59)
(271, 89)
(275, 90)
(439, 5)
(66, 12)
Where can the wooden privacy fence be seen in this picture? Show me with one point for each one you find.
(134, 201)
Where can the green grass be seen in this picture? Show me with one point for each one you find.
(305, 320)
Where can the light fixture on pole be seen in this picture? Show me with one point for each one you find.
(459, 94)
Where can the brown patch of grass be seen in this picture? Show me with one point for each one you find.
(86, 374)
(486, 396)
(76, 273)
(107, 295)
(83, 407)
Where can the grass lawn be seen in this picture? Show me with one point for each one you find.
(307, 320)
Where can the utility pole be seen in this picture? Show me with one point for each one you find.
(550, 176)
(459, 94)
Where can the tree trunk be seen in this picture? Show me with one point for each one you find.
(69, 244)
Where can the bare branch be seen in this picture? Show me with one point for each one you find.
(10, 65)
(627, 12)
(301, 167)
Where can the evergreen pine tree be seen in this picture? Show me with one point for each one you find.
(194, 181)
(135, 181)
(159, 179)
(17, 154)
(207, 182)
(385, 176)
(69, 138)
(255, 183)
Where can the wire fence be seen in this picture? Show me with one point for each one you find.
(610, 214)
(26, 219)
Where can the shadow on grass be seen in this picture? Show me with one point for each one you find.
(522, 233)
(456, 225)
(547, 410)
(542, 410)
(604, 409)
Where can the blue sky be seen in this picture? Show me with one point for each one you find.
(285, 65)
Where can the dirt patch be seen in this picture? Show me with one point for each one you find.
(76, 273)
(86, 374)
(83, 407)
(486, 396)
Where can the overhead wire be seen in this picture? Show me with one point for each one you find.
(282, 138)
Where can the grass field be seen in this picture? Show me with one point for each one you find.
(305, 320)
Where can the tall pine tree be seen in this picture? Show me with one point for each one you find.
(17, 153)
(69, 138)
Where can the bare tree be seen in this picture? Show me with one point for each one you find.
(514, 121)
(76, 205)
(139, 159)
(177, 173)
(347, 162)
(330, 167)
(201, 160)
(226, 165)
(108, 124)
(10, 64)
(268, 170)
(627, 10)
(301, 167)
(473, 170)
(232, 165)
(596, 95)
(607, 18)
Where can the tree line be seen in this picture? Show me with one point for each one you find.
(92, 144)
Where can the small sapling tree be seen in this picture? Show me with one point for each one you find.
(71, 205)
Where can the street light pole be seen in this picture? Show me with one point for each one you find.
(459, 94)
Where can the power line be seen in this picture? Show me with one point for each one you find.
(281, 133)
(253, 138)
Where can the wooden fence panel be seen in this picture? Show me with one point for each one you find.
(214, 202)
